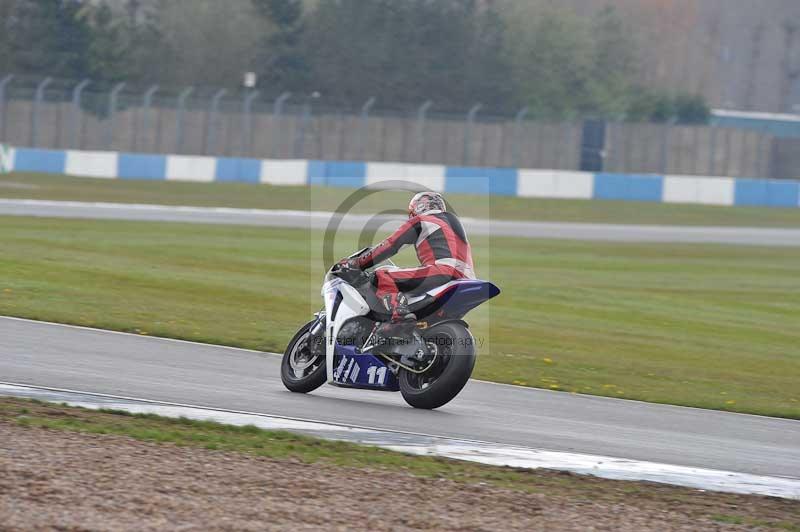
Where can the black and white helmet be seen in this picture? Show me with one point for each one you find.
(425, 202)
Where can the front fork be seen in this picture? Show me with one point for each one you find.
(317, 335)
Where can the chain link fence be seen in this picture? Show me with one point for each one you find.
(218, 122)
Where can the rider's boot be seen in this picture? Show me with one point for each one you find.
(399, 335)
(402, 320)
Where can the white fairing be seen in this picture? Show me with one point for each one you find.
(352, 305)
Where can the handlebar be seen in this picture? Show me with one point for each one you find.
(356, 276)
(352, 276)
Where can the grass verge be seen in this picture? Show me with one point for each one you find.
(755, 511)
(698, 325)
(56, 187)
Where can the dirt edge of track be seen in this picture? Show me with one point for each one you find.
(61, 479)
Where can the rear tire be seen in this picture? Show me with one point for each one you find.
(456, 350)
(295, 377)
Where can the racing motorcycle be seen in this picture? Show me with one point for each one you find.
(429, 361)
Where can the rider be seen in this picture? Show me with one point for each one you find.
(442, 248)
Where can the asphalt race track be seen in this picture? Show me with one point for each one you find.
(42, 354)
(320, 220)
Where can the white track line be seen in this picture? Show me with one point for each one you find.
(460, 449)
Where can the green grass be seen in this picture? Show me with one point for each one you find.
(42, 186)
(764, 512)
(750, 522)
(700, 325)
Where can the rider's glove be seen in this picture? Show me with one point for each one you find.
(349, 264)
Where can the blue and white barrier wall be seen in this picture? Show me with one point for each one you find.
(497, 181)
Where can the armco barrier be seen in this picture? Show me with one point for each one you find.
(35, 160)
(6, 156)
(496, 181)
(141, 166)
(92, 164)
(698, 189)
(352, 174)
(233, 170)
(628, 187)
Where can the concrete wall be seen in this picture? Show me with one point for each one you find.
(631, 148)
(785, 159)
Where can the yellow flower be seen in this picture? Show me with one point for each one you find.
(730, 402)
(554, 386)
(609, 386)
(547, 360)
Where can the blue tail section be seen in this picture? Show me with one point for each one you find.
(460, 298)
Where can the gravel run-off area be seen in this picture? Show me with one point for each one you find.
(54, 479)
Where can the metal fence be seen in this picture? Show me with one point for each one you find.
(80, 115)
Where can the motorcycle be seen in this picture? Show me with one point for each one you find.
(428, 362)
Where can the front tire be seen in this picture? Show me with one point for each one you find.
(301, 372)
(452, 368)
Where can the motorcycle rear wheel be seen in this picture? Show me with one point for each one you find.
(455, 360)
(300, 371)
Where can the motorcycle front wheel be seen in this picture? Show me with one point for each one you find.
(452, 367)
(302, 372)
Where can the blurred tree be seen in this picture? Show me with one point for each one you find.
(281, 62)
(7, 8)
(47, 37)
(210, 43)
(648, 105)
(407, 52)
(558, 60)
(691, 109)
(552, 59)
(150, 53)
(108, 50)
(615, 63)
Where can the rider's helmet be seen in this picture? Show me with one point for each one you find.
(425, 202)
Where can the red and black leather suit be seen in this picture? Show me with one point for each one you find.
(442, 248)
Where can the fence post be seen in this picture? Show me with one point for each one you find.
(277, 106)
(277, 113)
(521, 114)
(77, 92)
(760, 154)
(422, 117)
(468, 131)
(212, 114)
(147, 101)
(37, 102)
(712, 163)
(182, 97)
(112, 110)
(247, 130)
(3, 84)
(665, 146)
(300, 138)
(619, 145)
(362, 127)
